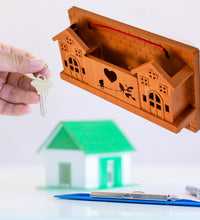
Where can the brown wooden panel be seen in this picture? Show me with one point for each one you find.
(134, 57)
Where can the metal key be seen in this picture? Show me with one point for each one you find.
(41, 85)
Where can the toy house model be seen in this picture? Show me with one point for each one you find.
(87, 154)
(149, 75)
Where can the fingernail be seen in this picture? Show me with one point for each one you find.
(37, 62)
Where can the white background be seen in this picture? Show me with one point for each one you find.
(31, 24)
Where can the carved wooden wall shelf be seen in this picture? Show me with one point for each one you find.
(149, 75)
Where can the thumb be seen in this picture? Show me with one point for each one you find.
(18, 63)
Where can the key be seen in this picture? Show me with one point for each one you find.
(42, 86)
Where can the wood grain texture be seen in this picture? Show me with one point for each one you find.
(131, 73)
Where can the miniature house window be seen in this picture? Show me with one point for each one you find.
(63, 47)
(167, 108)
(152, 74)
(66, 63)
(73, 65)
(65, 174)
(163, 89)
(144, 98)
(144, 81)
(154, 101)
(83, 70)
(69, 40)
(78, 53)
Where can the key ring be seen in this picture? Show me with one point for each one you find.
(41, 76)
(46, 71)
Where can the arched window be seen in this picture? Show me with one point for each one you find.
(154, 101)
(73, 65)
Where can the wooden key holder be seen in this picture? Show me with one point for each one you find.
(149, 75)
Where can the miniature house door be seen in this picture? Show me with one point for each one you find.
(73, 67)
(65, 174)
(110, 172)
(155, 104)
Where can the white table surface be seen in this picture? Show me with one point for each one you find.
(20, 199)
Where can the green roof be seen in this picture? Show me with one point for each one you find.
(91, 137)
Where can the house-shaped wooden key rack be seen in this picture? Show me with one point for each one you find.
(149, 75)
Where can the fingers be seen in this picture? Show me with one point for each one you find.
(15, 95)
(13, 109)
(19, 63)
(16, 91)
(18, 80)
(10, 49)
(15, 60)
(2, 78)
(47, 75)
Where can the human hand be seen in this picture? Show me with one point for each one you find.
(16, 91)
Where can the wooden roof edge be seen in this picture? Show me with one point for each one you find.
(181, 76)
(59, 36)
(78, 40)
(154, 64)
(131, 29)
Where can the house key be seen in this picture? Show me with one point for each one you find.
(42, 85)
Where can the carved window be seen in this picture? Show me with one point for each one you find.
(78, 53)
(154, 101)
(144, 81)
(144, 98)
(73, 65)
(167, 108)
(69, 40)
(63, 47)
(152, 74)
(83, 70)
(163, 89)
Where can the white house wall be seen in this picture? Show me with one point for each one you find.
(92, 169)
(75, 157)
(127, 168)
(91, 172)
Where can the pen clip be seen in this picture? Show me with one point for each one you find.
(136, 195)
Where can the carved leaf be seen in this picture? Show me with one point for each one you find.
(129, 89)
(121, 87)
(133, 98)
(127, 95)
